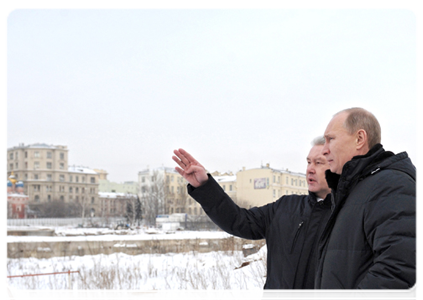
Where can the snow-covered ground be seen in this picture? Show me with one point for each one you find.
(105, 234)
(146, 272)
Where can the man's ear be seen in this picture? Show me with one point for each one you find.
(361, 141)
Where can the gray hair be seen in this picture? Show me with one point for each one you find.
(318, 141)
(359, 118)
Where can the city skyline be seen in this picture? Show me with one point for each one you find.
(236, 88)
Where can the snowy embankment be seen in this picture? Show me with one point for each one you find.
(218, 270)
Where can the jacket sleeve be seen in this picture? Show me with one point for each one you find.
(248, 224)
(390, 228)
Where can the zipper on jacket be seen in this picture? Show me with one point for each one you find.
(297, 233)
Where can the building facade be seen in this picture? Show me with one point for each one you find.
(116, 204)
(257, 187)
(47, 177)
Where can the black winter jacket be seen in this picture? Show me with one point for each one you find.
(291, 227)
(369, 241)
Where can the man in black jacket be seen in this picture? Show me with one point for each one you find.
(291, 225)
(369, 240)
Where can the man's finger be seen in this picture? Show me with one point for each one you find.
(182, 157)
(180, 163)
(187, 156)
(180, 171)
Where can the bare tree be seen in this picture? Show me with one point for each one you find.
(153, 196)
(133, 209)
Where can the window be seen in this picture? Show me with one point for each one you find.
(26, 154)
(11, 155)
(49, 165)
(36, 187)
(62, 198)
(62, 178)
(230, 187)
(83, 190)
(224, 187)
(11, 166)
(36, 165)
(274, 193)
(37, 198)
(49, 177)
(62, 166)
(36, 176)
(36, 154)
(76, 178)
(49, 198)
(83, 178)
(16, 166)
(92, 200)
(26, 165)
(70, 178)
(70, 190)
(92, 179)
(76, 190)
(62, 155)
(49, 155)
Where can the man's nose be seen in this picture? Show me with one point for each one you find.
(325, 149)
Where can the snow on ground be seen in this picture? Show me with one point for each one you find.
(219, 270)
(105, 234)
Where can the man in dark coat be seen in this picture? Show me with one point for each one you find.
(369, 240)
(291, 225)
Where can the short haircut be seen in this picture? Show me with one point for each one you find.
(318, 141)
(359, 118)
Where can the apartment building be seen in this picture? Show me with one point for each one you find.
(115, 204)
(47, 177)
(127, 187)
(172, 187)
(259, 186)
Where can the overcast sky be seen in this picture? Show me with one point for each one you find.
(123, 88)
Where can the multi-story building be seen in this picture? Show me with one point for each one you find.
(248, 188)
(127, 187)
(116, 204)
(257, 187)
(171, 187)
(47, 177)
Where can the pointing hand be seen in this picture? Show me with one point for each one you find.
(189, 168)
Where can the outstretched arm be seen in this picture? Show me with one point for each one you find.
(189, 168)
